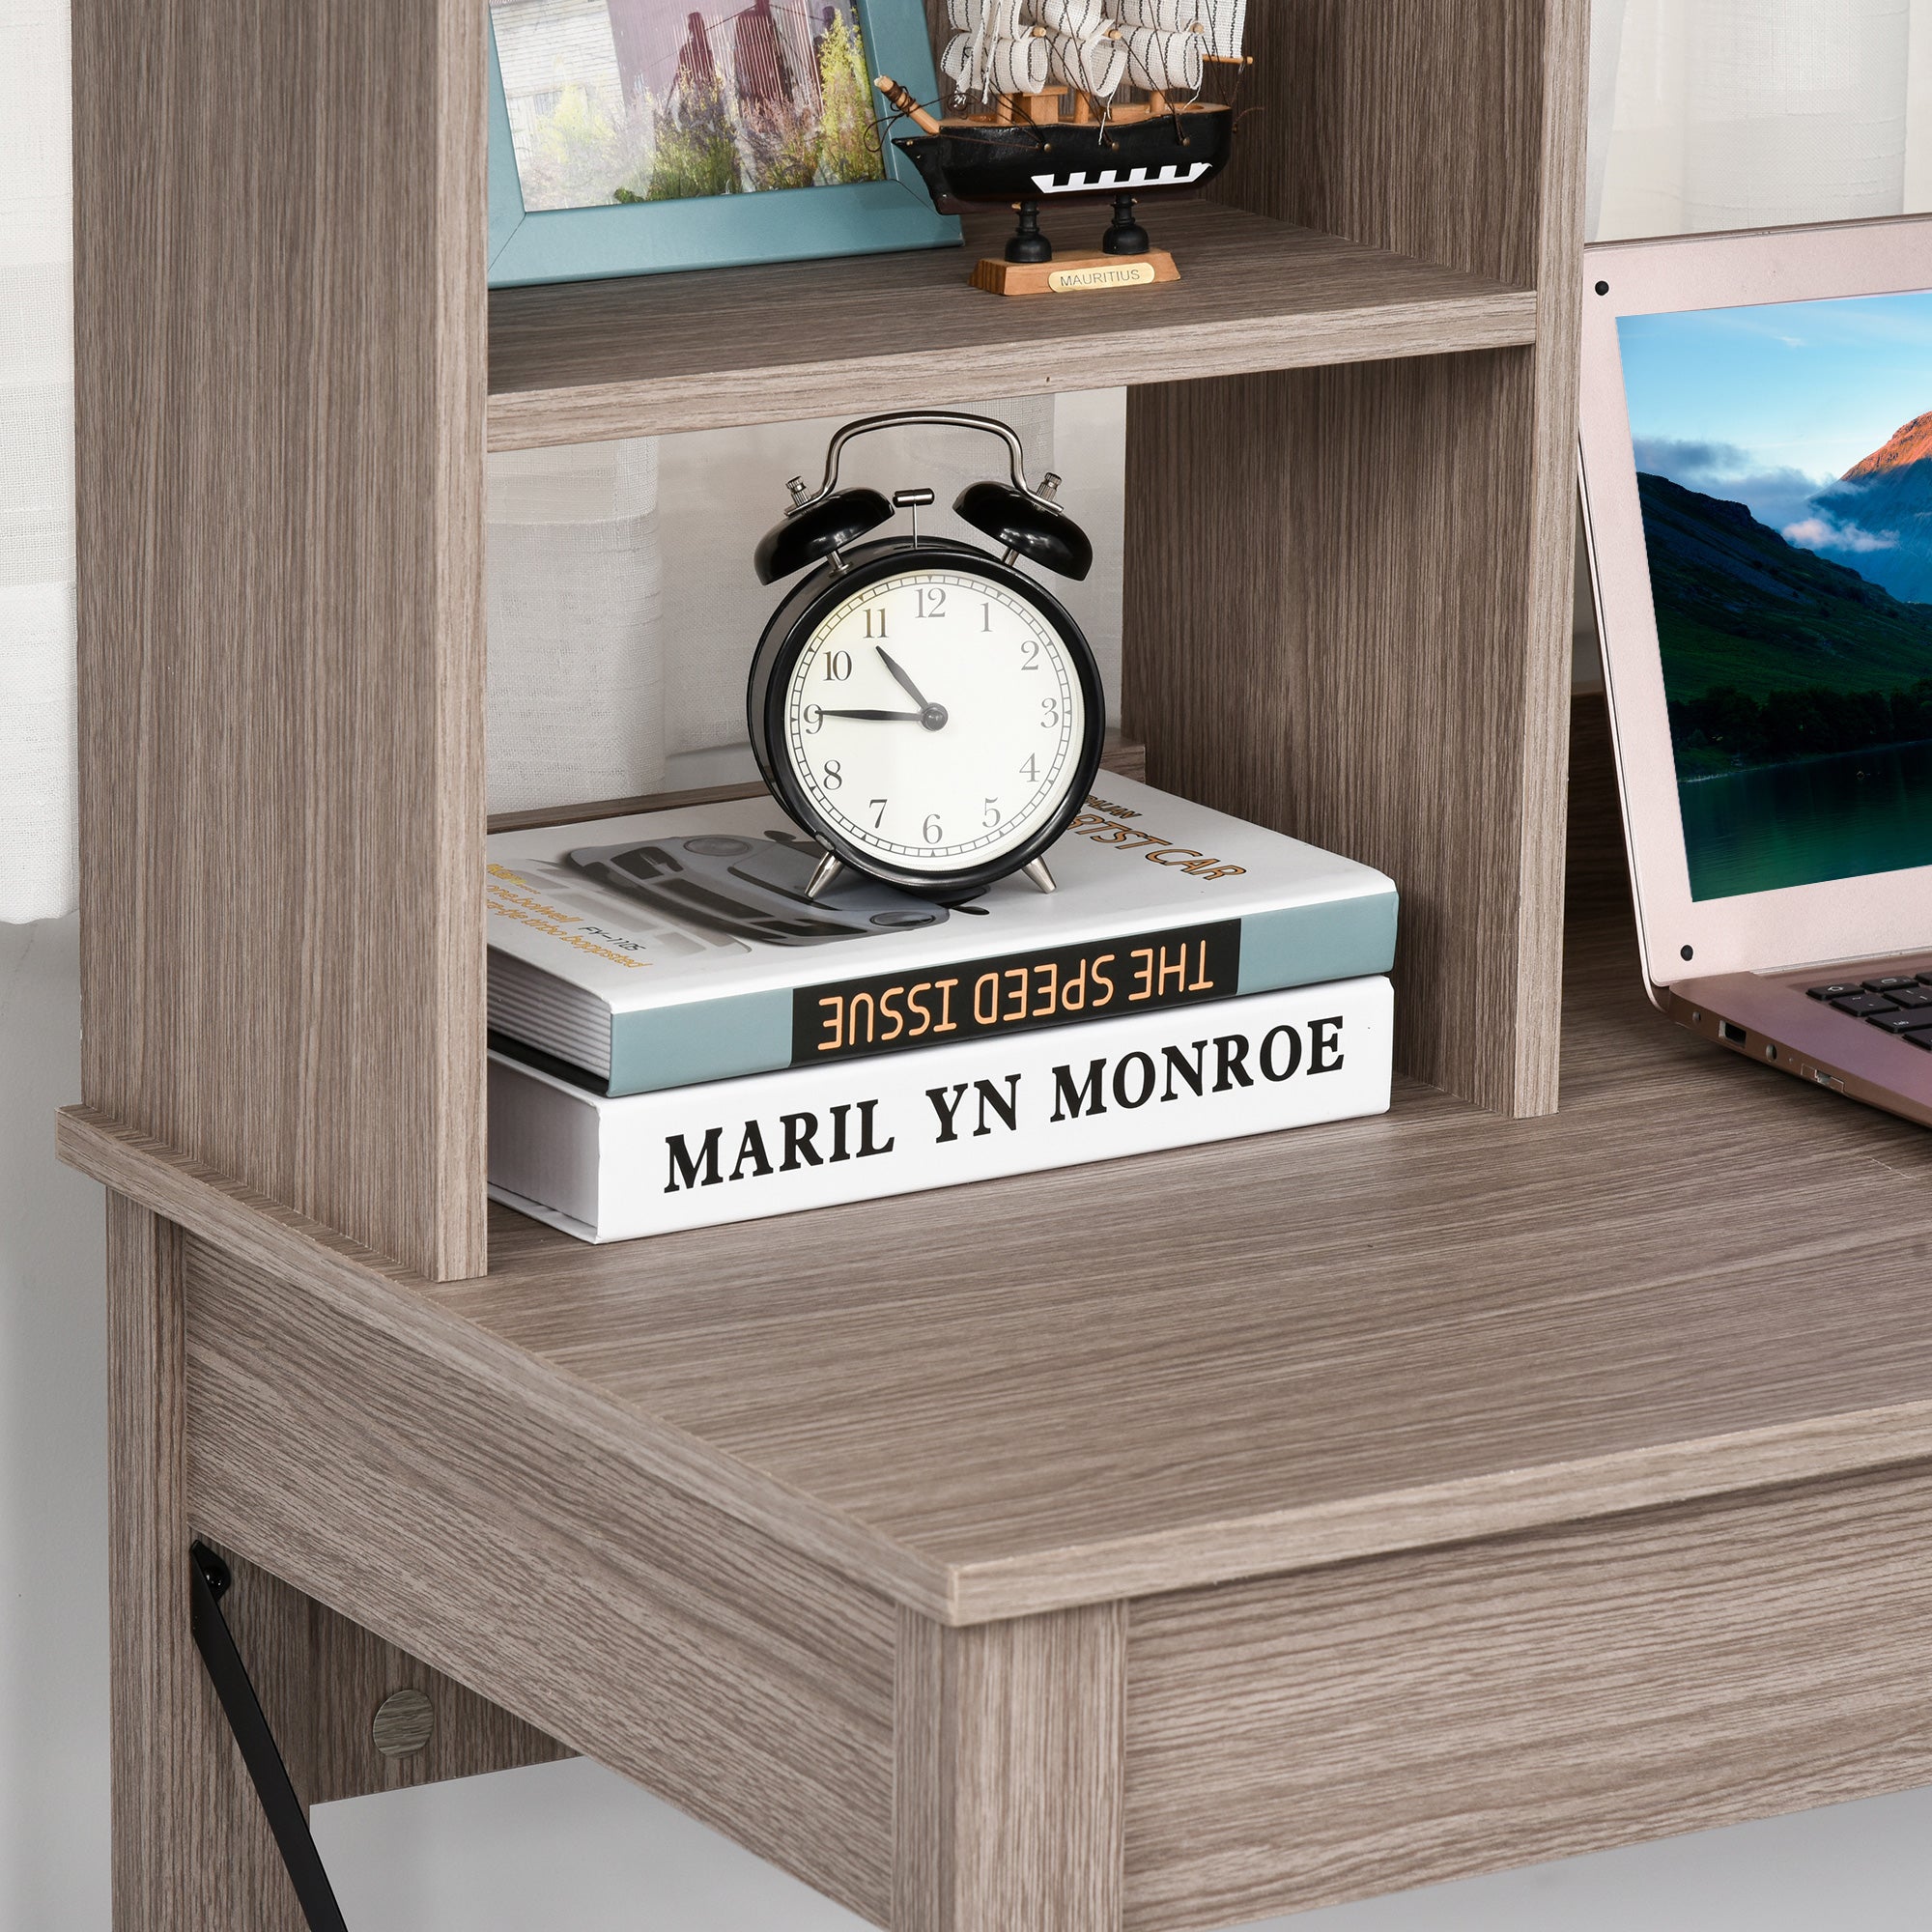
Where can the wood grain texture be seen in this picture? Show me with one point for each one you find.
(1227, 1360)
(522, 1557)
(192, 1849)
(1305, 1740)
(1323, 608)
(665, 352)
(1347, 588)
(320, 1679)
(1428, 130)
(279, 393)
(1008, 1793)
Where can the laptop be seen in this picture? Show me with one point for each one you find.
(1756, 447)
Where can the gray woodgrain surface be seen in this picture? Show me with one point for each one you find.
(1009, 1787)
(320, 1678)
(279, 389)
(516, 1550)
(1697, 1277)
(662, 353)
(1348, 588)
(191, 1848)
(1299, 1740)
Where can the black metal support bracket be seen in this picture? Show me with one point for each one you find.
(243, 1712)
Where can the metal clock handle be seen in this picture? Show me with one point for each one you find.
(922, 419)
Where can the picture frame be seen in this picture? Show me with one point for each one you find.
(698, 230)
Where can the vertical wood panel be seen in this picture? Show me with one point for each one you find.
(1347, 598)
(1007, 1811)
(1410, 125)
(320, 1678)
(192, 1849)
(280, 392)
(1320, 639)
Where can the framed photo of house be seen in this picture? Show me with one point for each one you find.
(632, 137)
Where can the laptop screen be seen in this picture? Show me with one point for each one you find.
(1785, 471)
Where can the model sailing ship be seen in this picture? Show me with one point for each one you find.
(1077, 101)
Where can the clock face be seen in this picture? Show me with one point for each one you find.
(936, 720)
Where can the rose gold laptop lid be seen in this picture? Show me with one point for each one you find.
(1753, 461)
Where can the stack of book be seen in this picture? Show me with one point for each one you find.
(679, 1036)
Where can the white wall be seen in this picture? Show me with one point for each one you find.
(53, 1462)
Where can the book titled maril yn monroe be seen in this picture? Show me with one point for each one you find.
(611, 1169)
(635, 954)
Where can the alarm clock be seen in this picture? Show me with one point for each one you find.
(927, 711)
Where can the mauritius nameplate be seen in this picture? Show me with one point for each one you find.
(1086, 272)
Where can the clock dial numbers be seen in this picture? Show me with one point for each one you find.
(985, 760)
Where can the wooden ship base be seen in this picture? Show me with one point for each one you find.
(1082, 272)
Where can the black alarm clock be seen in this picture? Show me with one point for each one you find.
(925, 709)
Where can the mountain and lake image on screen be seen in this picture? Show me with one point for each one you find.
(1784, 469)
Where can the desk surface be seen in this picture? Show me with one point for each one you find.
(701, 1506)
(1697, 1276)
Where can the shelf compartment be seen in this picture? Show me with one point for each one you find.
(654, 355)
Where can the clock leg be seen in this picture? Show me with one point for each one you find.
(825, 877)
(1043, 879)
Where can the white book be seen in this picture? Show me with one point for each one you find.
(608, 1169)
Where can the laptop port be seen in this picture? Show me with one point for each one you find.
(1735, 1034)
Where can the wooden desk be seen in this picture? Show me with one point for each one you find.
(1082, 1551)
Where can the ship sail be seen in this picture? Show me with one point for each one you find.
(1226, 24)
(1222, 24)
(1076, 19)
(1007, 48)
(1160, 62)
(995, 64)
(992, 52)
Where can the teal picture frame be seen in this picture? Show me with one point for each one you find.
(653, 238)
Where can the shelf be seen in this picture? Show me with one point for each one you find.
(1699, 1277)
(655, 354)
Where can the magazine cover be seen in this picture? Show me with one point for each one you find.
(633, 955)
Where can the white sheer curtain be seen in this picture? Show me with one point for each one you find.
(1708, 114)
(36, 782)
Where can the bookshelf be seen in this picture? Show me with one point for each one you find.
(1020, 1555)
(1349, 534)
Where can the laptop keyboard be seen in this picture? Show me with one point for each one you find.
(1902, 1007)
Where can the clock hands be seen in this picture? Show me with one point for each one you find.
(906, 684)
(932, 715)
(877, 716)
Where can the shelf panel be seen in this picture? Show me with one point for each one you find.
(1699, 1277)
(653, 355)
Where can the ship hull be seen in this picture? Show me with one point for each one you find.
(982, 165)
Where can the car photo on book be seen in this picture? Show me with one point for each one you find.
(754, 889)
